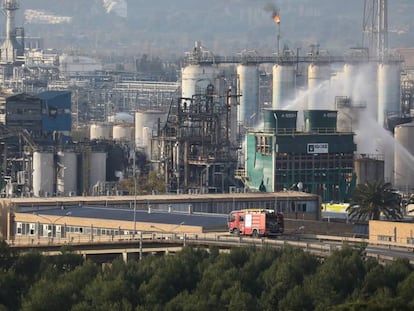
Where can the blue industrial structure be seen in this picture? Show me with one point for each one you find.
(56, 111)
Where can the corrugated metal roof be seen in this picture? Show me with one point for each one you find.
(174, 218)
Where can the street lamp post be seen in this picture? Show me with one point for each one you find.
(140, 245)
(274, 153)
(135, 193)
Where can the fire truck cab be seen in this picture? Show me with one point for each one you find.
(256, 222)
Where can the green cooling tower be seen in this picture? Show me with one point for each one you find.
(280, 121)
(321, 121)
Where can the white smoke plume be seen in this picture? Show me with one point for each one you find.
(118, 7)
(359, 83)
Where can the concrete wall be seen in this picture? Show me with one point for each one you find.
(391, 231)
(301, 226)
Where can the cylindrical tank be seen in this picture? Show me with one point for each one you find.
(122, 132)
(67, 173)
(317, 73)
(43, 174)
(283, 121)
(195, 79)
(284, 83)
(351, 71)
(323, 121)
(360, 85)
(97, 168)
(249, 90)
(146, 123)
(369, 170)
(404, 156)
(389, 92)
(100, 131)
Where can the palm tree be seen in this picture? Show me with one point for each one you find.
(370, 201)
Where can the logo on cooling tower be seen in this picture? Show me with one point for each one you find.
(288, 115)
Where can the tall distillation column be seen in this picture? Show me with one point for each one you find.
(10, 47)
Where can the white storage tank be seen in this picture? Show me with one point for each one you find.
(122, 132)
(351, 71)
(196, 78)
(67, 173)
(101, 131)
(404, 156)
(389, 91)
(317, 74)
(284, 84)
(360, 86)
(146, 122)
(97, 168)
(249, 90)
(43, 174)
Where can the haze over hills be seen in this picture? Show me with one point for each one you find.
(168, 28)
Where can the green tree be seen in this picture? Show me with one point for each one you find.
(11, 286)
(6, 255)
(59, 293)
(284, 276)
(371, 200)
(336, 279)
(406, 290)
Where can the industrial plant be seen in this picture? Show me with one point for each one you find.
(294, 120)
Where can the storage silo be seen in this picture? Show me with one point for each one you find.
(196, 78)
(351, 71)
(248, 76)
(97, 168)
(389, 91)
(43, 174)
(404, 156)
(317, 73)
(284, 84)
(369, 170)
(100, 131)
(122, 132)
(146, 122)
(67, 173)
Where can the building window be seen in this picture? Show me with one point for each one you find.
(32, 229)
(410, 240)
(19, 229)
(263, 145)
(385, 238)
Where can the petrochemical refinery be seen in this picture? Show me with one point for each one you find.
(294, 120)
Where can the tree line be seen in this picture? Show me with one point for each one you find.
(206, 279)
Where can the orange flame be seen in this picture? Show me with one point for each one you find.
(276, 18)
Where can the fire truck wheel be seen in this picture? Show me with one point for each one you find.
(236, 232)
(255, 233)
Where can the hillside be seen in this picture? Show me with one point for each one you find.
(171, 27)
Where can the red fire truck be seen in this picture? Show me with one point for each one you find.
(255, 222)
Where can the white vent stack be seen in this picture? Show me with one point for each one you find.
(10, 47)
